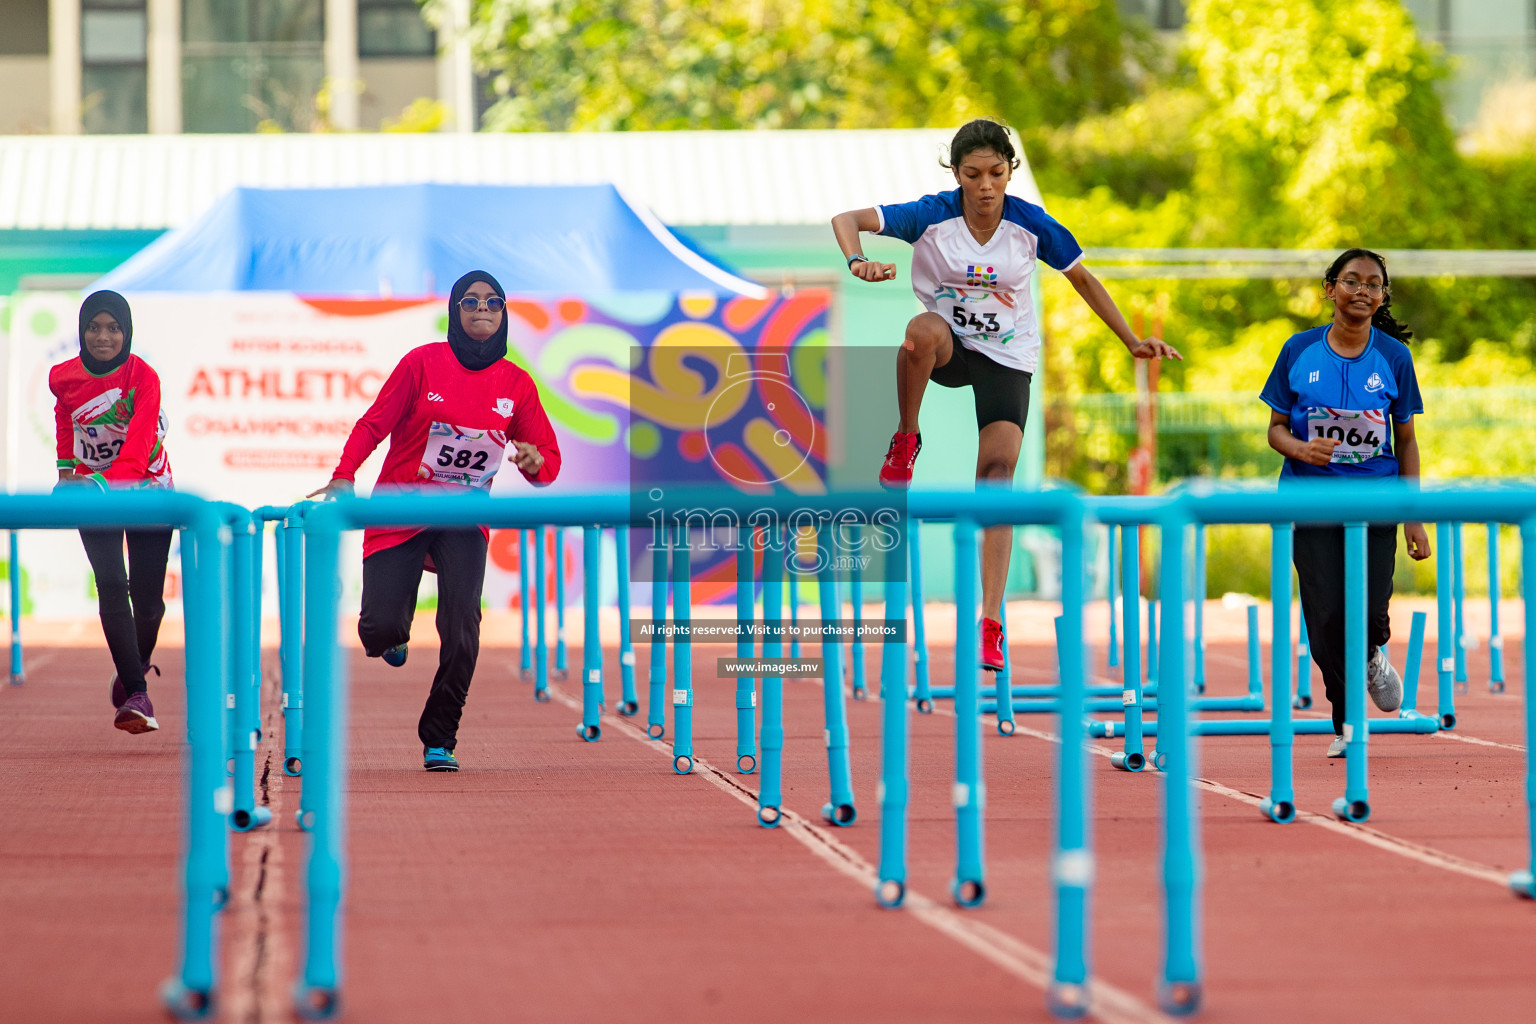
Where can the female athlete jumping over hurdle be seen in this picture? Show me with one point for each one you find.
(110, 431)
(450, 410)
(973, 253)
(1333, 391)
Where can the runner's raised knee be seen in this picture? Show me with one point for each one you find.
(926, 332)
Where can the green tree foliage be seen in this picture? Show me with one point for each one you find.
(677, 64)
(1324, 128)
(1030, 62)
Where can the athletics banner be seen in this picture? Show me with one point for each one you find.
(261, 390)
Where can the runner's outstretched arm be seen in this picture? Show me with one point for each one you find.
(1098, 298)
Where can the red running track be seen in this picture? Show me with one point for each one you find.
(555, 880)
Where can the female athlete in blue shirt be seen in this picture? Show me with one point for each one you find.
(1343, 397)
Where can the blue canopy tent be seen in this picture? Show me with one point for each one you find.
(416, 240)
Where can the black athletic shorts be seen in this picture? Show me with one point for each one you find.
(1001, 392)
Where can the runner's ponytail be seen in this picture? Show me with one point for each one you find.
(1382, 319)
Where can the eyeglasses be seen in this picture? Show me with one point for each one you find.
(495, 303)
(1370, 288)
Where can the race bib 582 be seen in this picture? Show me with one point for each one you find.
(462, 455)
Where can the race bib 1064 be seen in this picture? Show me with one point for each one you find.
(462, 455)
(1361, 433)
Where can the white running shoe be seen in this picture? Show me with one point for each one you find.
(1383, 683)
(1336, 748)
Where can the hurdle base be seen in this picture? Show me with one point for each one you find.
(968, 892)
(890, 893)
(1281, 812)
(746, 764)
(185, 1003)
(1357, 811)
(243, 820)
(841, 815)
(769, 815)
(1180, 998)
(590, 733)
(293, 767)
(1301, 703)
(655, 730)
(313, 1002)
(1523, 883)
(629, 708)
(1068, 1000)
(1128, 762)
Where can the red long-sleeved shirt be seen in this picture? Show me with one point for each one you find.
(447, 427)
(110, 428)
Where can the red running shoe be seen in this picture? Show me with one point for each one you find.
(991, 645)
(896, 471)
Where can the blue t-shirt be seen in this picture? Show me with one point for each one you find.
(1354, 401)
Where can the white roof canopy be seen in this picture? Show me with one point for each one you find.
(717, 177)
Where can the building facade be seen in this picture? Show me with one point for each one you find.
(204, 66)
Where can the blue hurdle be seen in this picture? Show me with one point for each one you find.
(770, 795)
(922, 689)
(562, 668)
(524, 595)
(289, 541)
(13, 571)
(1495, 639)
(630, 700)
(1524, 882)
(856, 600)
(656, 722)
(1458, 609)
(541, 641)
(242, 638)
(191, 993)
(746, 686)
(592, 644)
(1180, 983)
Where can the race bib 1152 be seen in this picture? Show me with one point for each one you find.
(1361, 433)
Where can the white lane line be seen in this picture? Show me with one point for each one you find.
(1380, 840)
(1481, 743)
(1110, 1004)
(31, 665)
(1459, 737)
(1363, 833)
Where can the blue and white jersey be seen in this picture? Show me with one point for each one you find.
(1354, 401)
(982, 290)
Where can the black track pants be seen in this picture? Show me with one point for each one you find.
(132, 597)
(1319, 557)
(390, 580)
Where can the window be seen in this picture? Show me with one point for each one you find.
(250, 63)
(1161, 14)
(26, 28)
(1169, 14)
(393, 28)
(114, 70)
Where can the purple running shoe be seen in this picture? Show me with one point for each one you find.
(136, 715)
